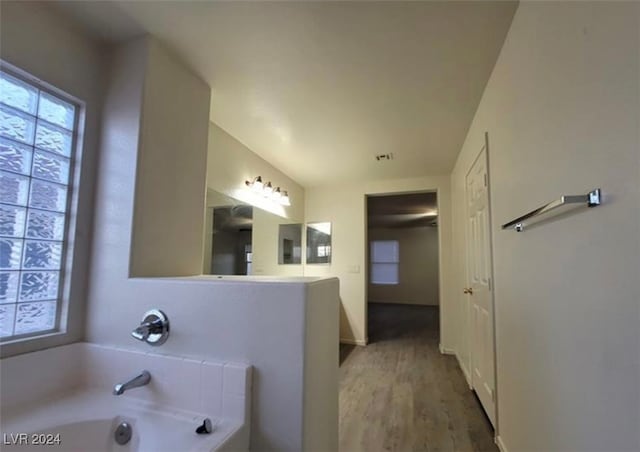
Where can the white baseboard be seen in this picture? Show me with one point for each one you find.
(500, 444)
(344, 340)
(446, 351)
(465, 372)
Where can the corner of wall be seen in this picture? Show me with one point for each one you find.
(170, 186)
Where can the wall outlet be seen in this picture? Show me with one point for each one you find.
(354, 269)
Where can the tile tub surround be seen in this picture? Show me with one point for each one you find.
(216, 389)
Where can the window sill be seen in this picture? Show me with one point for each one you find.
(31, 344)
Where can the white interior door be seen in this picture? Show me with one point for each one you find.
(479, 284)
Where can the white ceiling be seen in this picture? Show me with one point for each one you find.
(319, 88)
(402, 211)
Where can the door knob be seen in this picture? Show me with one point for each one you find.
(468, 290)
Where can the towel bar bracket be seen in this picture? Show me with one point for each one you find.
(594, 198)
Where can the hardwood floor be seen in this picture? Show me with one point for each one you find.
(400, 394)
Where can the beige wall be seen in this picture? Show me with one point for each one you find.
(169, 207)
(418, 269)
(230, 163)
(562, 109)
(344, 207)
(34, 38)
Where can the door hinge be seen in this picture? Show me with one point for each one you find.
(489, 283)
(485, 179)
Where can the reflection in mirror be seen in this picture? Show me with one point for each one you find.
(229, 236)
(231, 240)
(290, 244)
(241, 239)
(319, 243)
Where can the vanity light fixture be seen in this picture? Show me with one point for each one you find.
(284, 199)
(276, 195)
(255, 184)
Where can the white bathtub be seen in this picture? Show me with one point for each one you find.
(71, 407)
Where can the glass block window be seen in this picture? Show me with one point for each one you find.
(37, 135)
(385, 262)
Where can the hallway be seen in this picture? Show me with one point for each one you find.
(400, 394)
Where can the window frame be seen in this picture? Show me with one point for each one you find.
(372, 262)
(67, 270)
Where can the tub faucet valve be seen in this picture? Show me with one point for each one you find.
(154, 328)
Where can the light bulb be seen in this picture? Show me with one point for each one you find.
(284, 199)
(257, 184)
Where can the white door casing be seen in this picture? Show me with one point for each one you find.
(479, 283)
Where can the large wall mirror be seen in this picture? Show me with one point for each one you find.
(319, 243)
(241, 239)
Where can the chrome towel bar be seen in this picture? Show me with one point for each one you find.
(591, 199)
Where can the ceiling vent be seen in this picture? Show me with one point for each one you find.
(383, 157)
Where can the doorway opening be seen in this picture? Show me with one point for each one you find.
(403, 266)
(411, 396)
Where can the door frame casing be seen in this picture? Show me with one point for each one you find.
(367, 263)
